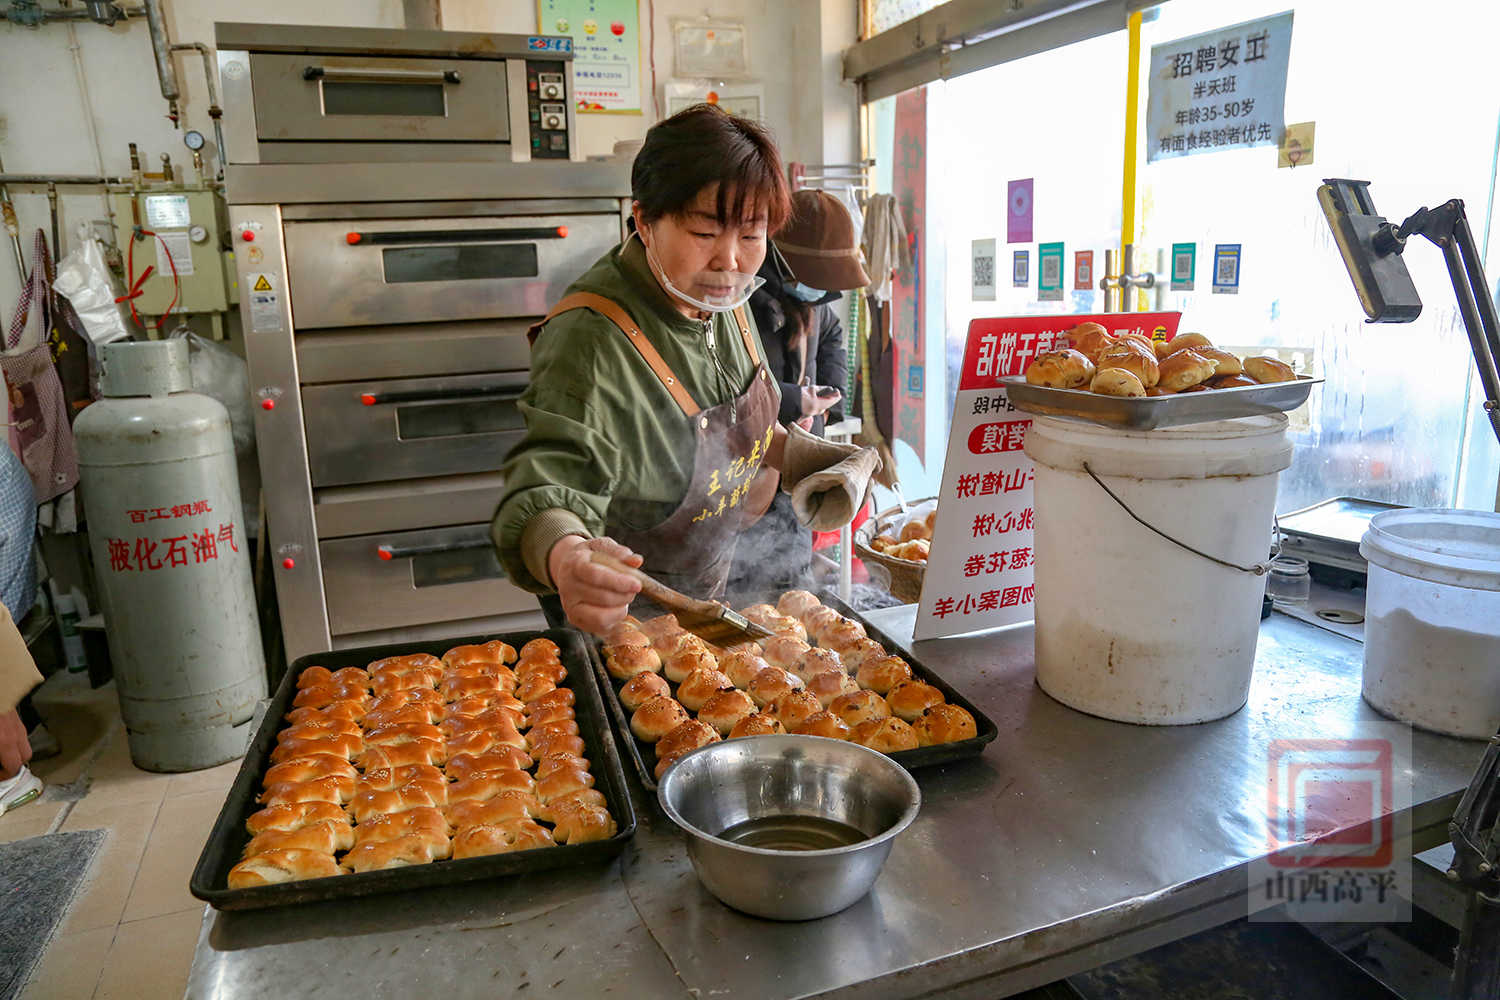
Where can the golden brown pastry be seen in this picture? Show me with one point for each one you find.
(1181, 341)
(385, 778)
(294, 816)
(1156, 390)
(860, 706)
(853, 654)
(554, 713)
(1265, 370)
(726, 708)
(759, 724)
(403, 663)
(1140, 340)
(748, 646)
(554, 744)
(847, 630)
(691, 735)
(402, 852)
(889, 735)
(656, 718)
(758, 613)
(624, 662)
(404, 680)
(700, 685)
(491, 718)
(786, 625)
(500, 838)
(402, 734)
(794, 706)
(883, 673)
(341, 711)
(642, 688)
(367, 805)
(742, 668)
(783, 650)
(332, 788)
(275, 867)
(494, 651)
(308, 769)
(478, 704)
(1225, 362)
(423, 821)
(335, 745)
(503, 807)
(314, 676)
(549, 812)
(1183, 369)
(1089, 339)
(1117, 382)
(626, 632)
(913, 551)
(564, 781)
(484, 740)
(463, 765)
(548, 766)
(325, 837)
(506, 675)
(562, 696)
(909, 699)
(1230, 381)
(426, 714)
(770, 684)
(409, 698)
(540, 647)
(1065, 369)
(822, 622)
(824, 724)
(797, 603)
(816, 661)
(665, 764)
(317, 730)
(883, 543)
(551, 669)
(324, 695)
(944, 724)
(582, 824)
(688, 658)
(538, 735)
(1132, 357)
(352, 677)
(457, 688)
(431, 752)
(830, 684)
(486, 785)
(534, 687)
(660, 627)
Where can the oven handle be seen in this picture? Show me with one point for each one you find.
(457, 235)
(389, 552)
(388, 75)
(441, 395)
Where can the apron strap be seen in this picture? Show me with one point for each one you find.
(611, 311)
(743, 321)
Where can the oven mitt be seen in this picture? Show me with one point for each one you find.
(827, 500)
(806, 453)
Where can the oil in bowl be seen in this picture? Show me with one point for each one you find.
(793, 833)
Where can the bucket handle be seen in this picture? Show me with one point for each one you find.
(1259, 569)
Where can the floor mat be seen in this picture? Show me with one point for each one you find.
(38, 879)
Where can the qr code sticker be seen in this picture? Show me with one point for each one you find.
(1051, 271)
(984, 271)
(1228, 268)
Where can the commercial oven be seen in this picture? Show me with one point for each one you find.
(404, 204)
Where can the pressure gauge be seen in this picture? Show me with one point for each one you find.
(198, 234)
(193, 139)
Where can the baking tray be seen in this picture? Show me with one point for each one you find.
(228, 837)
(644, 757)
(1329, 533)
(1152, 412)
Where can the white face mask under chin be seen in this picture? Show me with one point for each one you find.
(719, 291)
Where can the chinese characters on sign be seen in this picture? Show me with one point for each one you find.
(606, 51)
(1223, 89)
(143, 555)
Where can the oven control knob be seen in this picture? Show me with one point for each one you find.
(551, 90)
(552, 122)
(248, 236)
(268, 404)
(288, 563)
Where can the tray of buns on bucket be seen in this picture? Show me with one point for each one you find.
(825, 672)
(1133, 382)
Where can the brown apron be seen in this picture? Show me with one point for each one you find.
(691, 551)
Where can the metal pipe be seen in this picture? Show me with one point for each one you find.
(12, 225)
(93, 128)
(79, 179)
(214, 111)
(161, 47)
(52, 208)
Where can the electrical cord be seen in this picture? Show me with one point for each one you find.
(135, 284)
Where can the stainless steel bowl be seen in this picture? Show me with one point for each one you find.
(823, 812)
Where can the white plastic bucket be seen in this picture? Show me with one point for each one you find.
(1432, 619)
(1130, 626)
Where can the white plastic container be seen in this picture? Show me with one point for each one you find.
(1432, 619)
(1128, 625)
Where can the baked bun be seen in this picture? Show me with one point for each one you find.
(626, 633)
(343, 711)
(457, 688)
(724, 709)
(783, 651)
(310, 769)
(539, 647)
(853, 654)
(325, 837)
(503, 807)
(385, 778)
(847, 630)
(759, 724)
(336, 745)
(557, 713)
(1065, 369)
(944, 724)
(664, 764)
(492, 652)
(909, 699)
(424, 821)
(555, 744)
(504, 719)
(334, 788)
(409, 698)
(1089, 339)
(829, 685)
(402, 733)
(484, 740)
(742, 668)
(401, 664)
(916, 550)
(1183, 369)
(1181, 341)
(1117, 382)
(860, 706)
(535, 687)
(294, 816)
(588, 797)
(883, 673)
(584, 823)
(462, 765)
(660, 627)
(656, 718)
(1266, 370)
(486, 785)
(699, 686)
(314, 676)
(770, 684)
(823, 724)
(429, 752)
(542, 735)
(642, 688)
(562, 696)
(500, 838)
(275, 867)
(318, 730)
(886, 735)
(1225, 362)
(402, 680)
(324, 695)
(422, 714)
(1230, 381)
(690, 735)
(688, 658)
(794, 706)
(399, 852)
(916, 528)
(786, 625)
(816, 661)
(367, 805)
(553, 670)
(1130, 355)
(624, 662)
(797, 603)
(548, 766)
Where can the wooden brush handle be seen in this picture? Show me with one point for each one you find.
(655, 589)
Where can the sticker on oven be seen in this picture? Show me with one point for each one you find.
(265, 304)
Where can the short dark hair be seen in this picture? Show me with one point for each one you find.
(703, 145)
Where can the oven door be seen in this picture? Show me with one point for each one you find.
(324, 98)
(368, 432)
(407, 578)
(379, 272)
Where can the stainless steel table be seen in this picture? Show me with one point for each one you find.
(1070, 843)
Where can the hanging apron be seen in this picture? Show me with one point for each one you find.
(692, 549)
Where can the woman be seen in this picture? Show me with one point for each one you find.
(650, 412)
(813, 259)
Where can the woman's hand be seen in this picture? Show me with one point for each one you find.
(15, 748)
(814, 404)
(595, 598)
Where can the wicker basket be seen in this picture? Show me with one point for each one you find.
(906, 574)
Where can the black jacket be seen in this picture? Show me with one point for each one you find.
(826, 361)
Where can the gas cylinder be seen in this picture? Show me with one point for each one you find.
(157, 474)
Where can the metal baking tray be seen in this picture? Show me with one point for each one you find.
(1152, 412)
(1329, 533)
(644, 757)
(228, 837)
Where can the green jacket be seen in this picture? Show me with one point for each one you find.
(605, 443)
